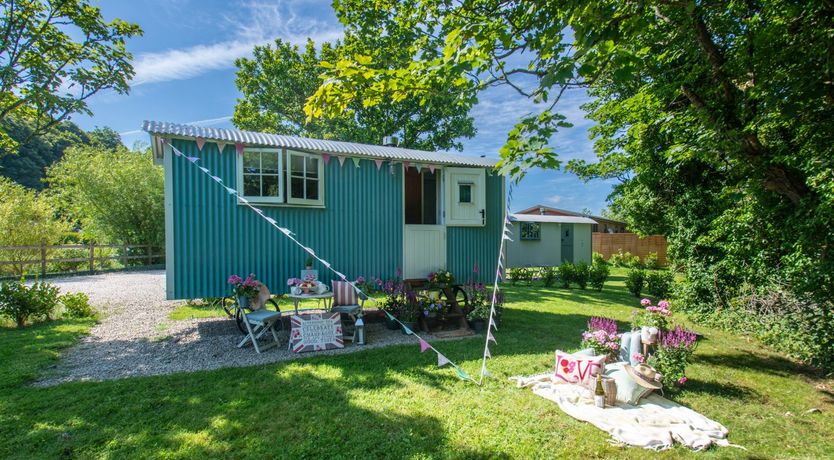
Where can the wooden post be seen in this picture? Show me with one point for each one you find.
(150, 254)
(125, 256)
(92, 257)
(43, 256)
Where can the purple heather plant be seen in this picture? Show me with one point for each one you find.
(675, 347)
(602, 336)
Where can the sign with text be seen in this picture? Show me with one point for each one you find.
(316, 332)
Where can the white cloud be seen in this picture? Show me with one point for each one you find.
(554, 199)
(254, 24)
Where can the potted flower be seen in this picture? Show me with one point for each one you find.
(651, 320)
(392, 303)
(602, 337)
(674, 349)
(244, 289)
(295, 285)
(440, 280)
(408, 313)
(478, 317)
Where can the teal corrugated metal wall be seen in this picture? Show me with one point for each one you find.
(466, 246)
(359, 231)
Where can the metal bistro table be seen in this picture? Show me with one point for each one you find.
(327, 297)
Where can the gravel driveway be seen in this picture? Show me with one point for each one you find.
(136, 338)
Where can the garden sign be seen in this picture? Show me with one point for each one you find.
(316, 332)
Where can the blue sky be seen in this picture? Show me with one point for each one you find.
(185, 73)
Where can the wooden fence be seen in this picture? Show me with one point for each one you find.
(608, 244)
(51, 259)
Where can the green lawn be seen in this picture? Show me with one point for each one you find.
(394, 402)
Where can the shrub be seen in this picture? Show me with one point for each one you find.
(659, 284)
(597, 275)
(522, 274)
(635, 280)
(549, 275)
(19, 302)
(598, 259)
(566, 272)
(651, 261)
(77, 305)
(580, 274)
(673, 352)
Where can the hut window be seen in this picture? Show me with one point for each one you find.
(259, 175)
(464, 192)
(531, 231)
(305, 178)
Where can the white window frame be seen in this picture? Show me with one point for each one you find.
(303, 201)
(262, 199)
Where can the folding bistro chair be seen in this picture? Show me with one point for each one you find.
(348, 301)
(257, 324)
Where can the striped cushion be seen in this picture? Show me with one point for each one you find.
(343, 293)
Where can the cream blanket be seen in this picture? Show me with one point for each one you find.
(656, 423)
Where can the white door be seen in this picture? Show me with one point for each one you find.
(424, 250)
(465, 197)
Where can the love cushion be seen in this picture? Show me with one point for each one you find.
(577, 369)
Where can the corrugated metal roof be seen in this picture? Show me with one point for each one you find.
(160, 128)
(551, 219)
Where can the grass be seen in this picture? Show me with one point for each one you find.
(394, 402)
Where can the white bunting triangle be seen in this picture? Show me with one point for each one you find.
(231, 190)
(442, 360)
(487, 353)
(221, 146)
(205, 170)
(270, 220)
(485, 372)
(490, 337)
(217, 179)
(243, 200)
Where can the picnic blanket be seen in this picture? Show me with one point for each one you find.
(655, 423)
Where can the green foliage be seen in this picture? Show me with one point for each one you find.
(659, 284)
(651, 261)
(277, 81)
(55, 56)
(598, 259)
(581, 273)
(521, 274)
(26, 219)
(117, 196)
(624, 259)
(567, 274)
(598, 274)
(19, 302)
(77, 305)
(635, 281)
(549, 276)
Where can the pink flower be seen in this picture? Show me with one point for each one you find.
(234, 279)
(613, 345)
(638, 357)
(682, 380)
(360, 280)
(663, 304)
(645, 302)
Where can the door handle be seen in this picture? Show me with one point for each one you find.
(483, 216)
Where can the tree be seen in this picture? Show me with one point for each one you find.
(715, 117)
(276, 83)
(105, 137)
(26, 219)
(27, 164)
(116, 196)
(56, 54)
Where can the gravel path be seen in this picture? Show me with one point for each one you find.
(136, 338)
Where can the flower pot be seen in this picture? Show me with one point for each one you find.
(243, 301)
(306, 289)
(478, 325)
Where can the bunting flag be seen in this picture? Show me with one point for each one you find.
(378, 164)
(442, 360)
(432, 168)
(418, 166)
(165, 141)
(239, 148)
(356, 161)
(220, 146)
(405, 166)
(200, 143)
(341, 160)
(325, 158)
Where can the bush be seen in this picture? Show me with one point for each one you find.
(597, 275)
(651, 261)
(659, 284)
(549, 275)
(580, 274)
(625, 259)
(566, 272)
(598, 259)
(520, 274)
(635, 280)
(19, 302)
(77, 305)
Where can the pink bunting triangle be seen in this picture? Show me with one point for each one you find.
(220, 146)
(239, 148)
(325, 157)
(432, 168)
(490, 337)
(424, 345)
(378, 163)
(406, 165)
(341, 160)
(200, 143)
(487, 353)
(442, 360)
